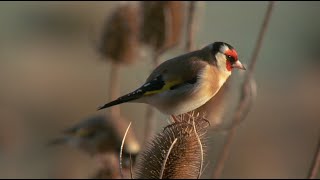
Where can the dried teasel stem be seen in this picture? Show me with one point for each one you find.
(119, 43)
(166, 159)
(131, 176)
(121, 149)
(200, 145)
(191, 26)
(150, 120)
(161, 29)
(150, 117)
(132, 145)
(249, 93)
(114, 84)
(314, 169)
(244, 104)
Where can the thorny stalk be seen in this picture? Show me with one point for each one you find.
(167, 156)
(191, 26)
(131, 176)
(150, 112)
(168, 33)
(246, 97)
(314, 169)
(201, 148)
(121, 149)
(150, 117)
(114, 84)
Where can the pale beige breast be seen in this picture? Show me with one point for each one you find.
(192, 96)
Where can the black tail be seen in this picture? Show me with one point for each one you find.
(153, 85)
(126, 98)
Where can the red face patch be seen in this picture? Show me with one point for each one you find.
(232, 57)
(233, 53)
(229, 66)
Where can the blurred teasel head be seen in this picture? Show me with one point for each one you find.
(162, 24)
(120, 36)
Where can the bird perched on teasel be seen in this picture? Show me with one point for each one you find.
(186, 82)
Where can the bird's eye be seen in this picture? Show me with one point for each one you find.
(231, 59)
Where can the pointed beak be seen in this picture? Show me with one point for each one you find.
(238, 65)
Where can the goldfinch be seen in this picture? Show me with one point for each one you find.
(186, 82)
(99, 135)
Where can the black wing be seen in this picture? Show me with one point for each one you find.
(153, 85)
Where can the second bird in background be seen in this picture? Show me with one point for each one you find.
(100, 135)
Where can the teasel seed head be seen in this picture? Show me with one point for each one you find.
(120, 36)
(179, 160)
(162, 23)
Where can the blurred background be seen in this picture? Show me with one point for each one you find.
(51, 77)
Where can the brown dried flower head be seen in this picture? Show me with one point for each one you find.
(120, 37)
(163, 159)
(162, 23)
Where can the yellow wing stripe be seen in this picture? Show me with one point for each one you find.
(166, 87)
(81, 132)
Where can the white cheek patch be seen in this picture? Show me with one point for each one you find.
(222, 65)
(221, 61)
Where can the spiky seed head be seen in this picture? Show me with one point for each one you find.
(184, 158)
(162, 23)
(120, 42)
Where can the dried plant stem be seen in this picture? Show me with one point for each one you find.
(314, 169)
(156, 59)
(150, 122)
(150, 113)
(167, 156)
(223, 156)
(114, 84)
(201, 148)
(249, 92)
(131, 176)
(168, 24)
(191, 26)
(244, 103)
(121, 149)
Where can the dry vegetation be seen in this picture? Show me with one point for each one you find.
(181, 149)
